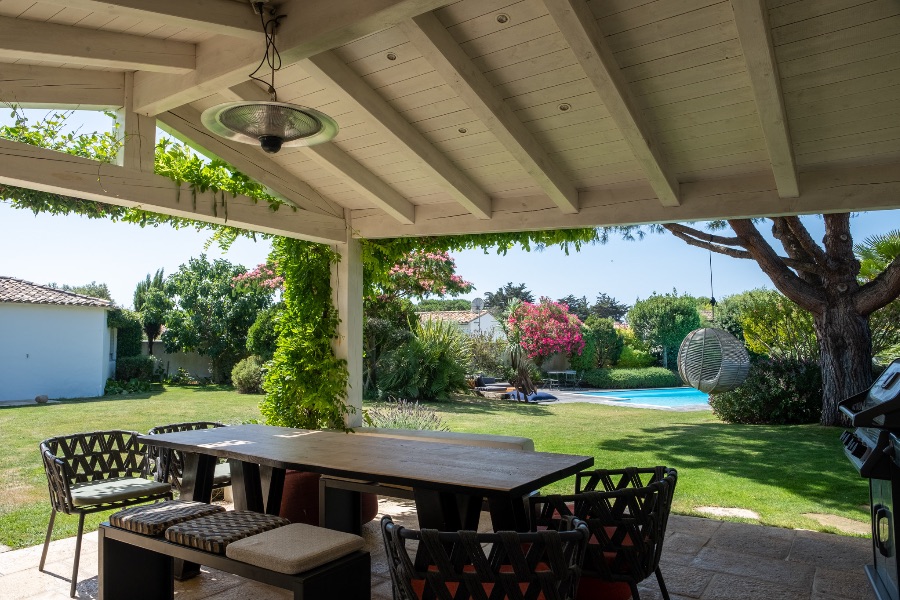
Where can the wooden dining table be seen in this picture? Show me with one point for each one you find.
(449, 481)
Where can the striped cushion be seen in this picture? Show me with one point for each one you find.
(215, 532)
(154, 519)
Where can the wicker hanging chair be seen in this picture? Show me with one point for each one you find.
(712, 360)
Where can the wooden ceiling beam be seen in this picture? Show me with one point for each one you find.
(222, 17)
(831, 190)
(184, 124)
(339, 163)
(36, 168)
(310, 27)
(330, 70)
(751, 18)
(51, 87)
(451, 62)
(577, 23)
(34, 40)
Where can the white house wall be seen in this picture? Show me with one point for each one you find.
(198, 366)
(60, 351)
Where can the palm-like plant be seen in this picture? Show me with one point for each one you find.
(515, 355)
(152, 303)
(875, 253)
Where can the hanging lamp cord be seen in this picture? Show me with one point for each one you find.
(272, 57)
(712, 295)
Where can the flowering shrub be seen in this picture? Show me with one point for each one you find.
(422, 274)
(545, 328)
(263, 275)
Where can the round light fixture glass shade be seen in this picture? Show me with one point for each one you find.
(272, 125)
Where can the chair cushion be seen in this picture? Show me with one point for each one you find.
(215, 532)
(154, 519)
(116, 489)
(295, 548)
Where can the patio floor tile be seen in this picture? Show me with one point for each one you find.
(830, 550)
(847, 585)
(734, 587)
(788, 574)
(770, 542)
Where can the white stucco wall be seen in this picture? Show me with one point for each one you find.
(488, 324)
(60, 351)
(198, 366)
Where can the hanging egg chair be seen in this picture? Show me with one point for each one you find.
(712, 360)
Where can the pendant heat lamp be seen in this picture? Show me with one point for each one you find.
(273, 125)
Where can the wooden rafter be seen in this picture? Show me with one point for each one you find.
(34, 40)
(832, 190)
(223, 17)
(750, 16)
(184, 124)
(330, 70)
(40, 169)
(439, 48)
(577, 23)
(50, 87)
(138, 149)
(342, 164)
(311, 27)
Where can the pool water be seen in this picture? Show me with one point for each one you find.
(665, 397)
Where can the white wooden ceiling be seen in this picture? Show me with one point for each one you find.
(502, 115)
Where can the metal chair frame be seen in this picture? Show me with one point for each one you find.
(458, 566)
(89, 457)
(168, 464)
(626, 511)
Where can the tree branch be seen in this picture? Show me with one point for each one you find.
(795, 249)
(880, 291)
(806, 242)
(788, 283)
(718, 243)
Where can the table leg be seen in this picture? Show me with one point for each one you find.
(196, 485)
(272, 483)
(508, 513)
(246, 486)
(340, 509)
(446, 511)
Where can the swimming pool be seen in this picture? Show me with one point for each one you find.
(663, 397)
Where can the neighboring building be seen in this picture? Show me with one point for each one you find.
(52, 342)
(470, 322)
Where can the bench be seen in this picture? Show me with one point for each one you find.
(138, 566)
(341, 496)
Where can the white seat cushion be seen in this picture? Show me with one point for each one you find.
(294, 548)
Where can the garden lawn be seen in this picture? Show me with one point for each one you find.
(779, 472)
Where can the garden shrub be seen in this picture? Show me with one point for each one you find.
(247, 376)
(262, 337)
(603, 345)
(430, 366)
(634, 358)
(143, 368)
(777, 391)
(486, 356)
(132, 386)
(129, 331)
(622, 379)
(404, 415)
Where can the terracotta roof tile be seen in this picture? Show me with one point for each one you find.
(459, 316)
(25, 292)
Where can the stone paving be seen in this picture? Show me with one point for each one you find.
(703, 559)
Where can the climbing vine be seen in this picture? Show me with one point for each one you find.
(306, 384)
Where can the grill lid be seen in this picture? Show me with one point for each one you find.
(879, 406)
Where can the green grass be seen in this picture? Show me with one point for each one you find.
(779, 472)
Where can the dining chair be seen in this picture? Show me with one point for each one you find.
(626, 512)
(168, 464)
(466, 565)
(93, 472)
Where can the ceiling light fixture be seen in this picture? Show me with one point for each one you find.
(273, 125)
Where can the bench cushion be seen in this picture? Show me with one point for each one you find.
(215, 532)
(295, 548)
(116, 489)
(154, 519)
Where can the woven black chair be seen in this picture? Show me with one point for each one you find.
(626, 512)
(168, 464)
(93, 472)
(457, 565)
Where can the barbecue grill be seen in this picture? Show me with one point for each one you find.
(874, 449)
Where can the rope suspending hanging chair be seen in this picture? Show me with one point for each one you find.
(711, 359)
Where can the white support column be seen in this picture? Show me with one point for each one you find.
(347, 293)
(138, 133)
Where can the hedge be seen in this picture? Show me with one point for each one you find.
(621, 379)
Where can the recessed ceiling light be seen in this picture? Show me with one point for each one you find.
(502, 18)
(463, 130)
(391, 56)
(565, 106)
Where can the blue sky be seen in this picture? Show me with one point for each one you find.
(75, 250)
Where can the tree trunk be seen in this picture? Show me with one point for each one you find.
(150, 345)
(845, 355)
